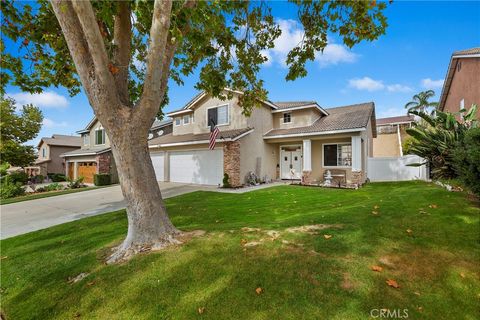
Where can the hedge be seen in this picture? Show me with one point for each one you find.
(102, 179)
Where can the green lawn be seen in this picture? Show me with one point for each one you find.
(40, 195)
(436, 263)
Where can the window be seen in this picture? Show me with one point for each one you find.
(178, 120)
(100, 136)
(218, 115)
(44, 152)
(186, 119)
(287, 117)
(86, 139)
(462, 104)
(337, 155)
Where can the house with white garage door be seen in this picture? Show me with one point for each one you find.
(280, 140)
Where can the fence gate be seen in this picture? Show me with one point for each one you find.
(396, 169)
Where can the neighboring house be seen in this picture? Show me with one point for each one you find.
(95, 155)
(390, 136)
(280, 140)
(461, 88)
(49, 158)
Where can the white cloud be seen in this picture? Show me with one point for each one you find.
(46, 99)
(432, 84)
(366, 83)
(398, 88)
(49, 123)
(292, 35)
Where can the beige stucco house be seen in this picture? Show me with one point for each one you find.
(95, 156)
(280, 140)
(50, 149)
(391, 134)
(461, 88)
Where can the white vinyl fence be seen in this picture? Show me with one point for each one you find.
(396, 169)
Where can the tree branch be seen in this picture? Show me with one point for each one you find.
(106, 93)
(152, 94)
(122, 36)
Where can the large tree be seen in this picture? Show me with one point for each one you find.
(18, 127)
(124, 53)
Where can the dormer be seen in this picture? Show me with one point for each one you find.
(293, 114)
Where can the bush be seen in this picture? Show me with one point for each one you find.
(3, 168)
(226, 181)
(467, 160)
(76, 183)
(102, 179)
(53, 187)
(57, 177)
(38, 178)
(19, 176)
(10, 189)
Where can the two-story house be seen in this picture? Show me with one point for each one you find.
(280, 140)
(95, 156)
(49, 158)
(461, 88)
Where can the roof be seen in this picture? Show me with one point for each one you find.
(292, 104)
(85, 152)
(62, 140)
(187, 107)
(467, 52)
(170, 139)
(161, 123)
(346, 118)
(398, 119)
(452, 66)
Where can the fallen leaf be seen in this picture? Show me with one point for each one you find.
(376, 207)
(392, 283)
(4, 257)
(375, 212)
(416, 293)
(462, 275)
(259, 290)
(433, 206)
(409, 231)
(91, 283)
(243, 241)
(327, 236)
(420, 309)
(201, 310)
(376, 268)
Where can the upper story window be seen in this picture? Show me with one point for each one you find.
(337, 155)
(186, 119)
(218, 115)
(100, 136)
(86, 139)
(44, 152)
(178, 121)
(287, 117)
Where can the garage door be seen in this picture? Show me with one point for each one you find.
(199, 166)
(158, 164)
(86, 170)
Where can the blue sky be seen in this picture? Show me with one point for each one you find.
(411, 57)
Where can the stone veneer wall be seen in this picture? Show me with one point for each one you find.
(103, 162)
(357, 177)
(231, 162)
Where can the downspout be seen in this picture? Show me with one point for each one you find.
(399, 140)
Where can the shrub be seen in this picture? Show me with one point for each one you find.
(3, 168)
(102, 179)
(57, 177)
(19, 176)
(467, 160)
(39, 178)
(75, 183)
(10, 189)
(226, 181)
(53, 187)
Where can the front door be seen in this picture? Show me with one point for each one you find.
(291, 162)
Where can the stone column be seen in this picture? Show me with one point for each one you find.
(307, 162)
(231, 162)
(103, 162)
(75, 169)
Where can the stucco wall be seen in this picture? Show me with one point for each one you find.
(56, 163)
(465, 85)
(386, 145)
(91, 134)
(300, 118)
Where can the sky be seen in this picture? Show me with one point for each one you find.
(411, 57)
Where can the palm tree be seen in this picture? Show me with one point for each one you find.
(420, 101)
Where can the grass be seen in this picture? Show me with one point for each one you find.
(48, 194)
(436, 264)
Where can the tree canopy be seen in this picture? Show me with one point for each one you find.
(221, 40)
(16, 129)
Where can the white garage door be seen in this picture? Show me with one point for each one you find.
(200, 166)
(158, 164)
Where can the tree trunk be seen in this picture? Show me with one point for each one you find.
(148, 224)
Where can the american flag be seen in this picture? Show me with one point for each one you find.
(213, 135)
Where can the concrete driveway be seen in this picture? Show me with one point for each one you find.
(27, 216)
